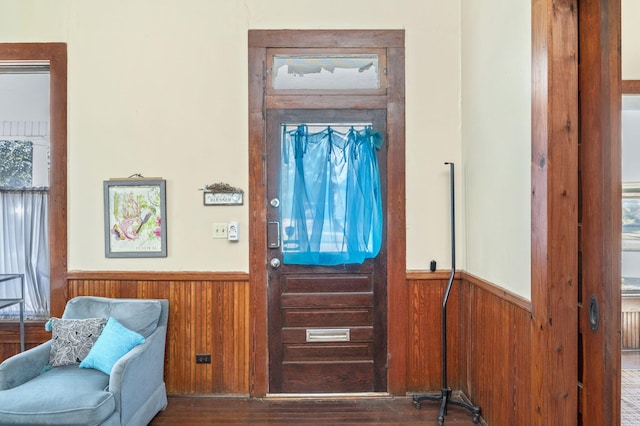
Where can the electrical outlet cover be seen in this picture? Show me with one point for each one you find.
(219, 230)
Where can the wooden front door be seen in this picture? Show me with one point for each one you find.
(327, 324)
(390, 363)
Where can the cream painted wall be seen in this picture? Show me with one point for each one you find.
(160, 88)
(630, 40)
(496, 141)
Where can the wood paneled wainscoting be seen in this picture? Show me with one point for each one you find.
(208, 314)
(488, 343)
(488, 335)
(34, 334)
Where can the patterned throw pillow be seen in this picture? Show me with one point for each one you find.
(73, 339)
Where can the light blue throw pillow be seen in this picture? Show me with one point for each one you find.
(114, 342)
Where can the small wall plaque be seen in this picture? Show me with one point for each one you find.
(222, 198)
(222, 194)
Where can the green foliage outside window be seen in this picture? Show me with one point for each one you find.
(16, 164)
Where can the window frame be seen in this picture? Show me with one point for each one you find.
(56, 55)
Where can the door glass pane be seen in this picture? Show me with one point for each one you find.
(331, 209)
(326, 72)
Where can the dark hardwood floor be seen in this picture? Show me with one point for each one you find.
(185, 411)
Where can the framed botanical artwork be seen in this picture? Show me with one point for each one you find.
(135, 218)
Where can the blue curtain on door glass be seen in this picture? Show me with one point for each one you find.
(331, 211)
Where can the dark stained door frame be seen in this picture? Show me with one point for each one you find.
(392, 100)
(554, 203)
(600, 217)
(575, 212)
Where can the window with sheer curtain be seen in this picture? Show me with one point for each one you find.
(24, 247)
(331, 197)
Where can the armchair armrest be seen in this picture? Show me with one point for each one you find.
(138, 375)
(24, 366)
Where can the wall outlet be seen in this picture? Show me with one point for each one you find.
(203, 358)
(233, 231)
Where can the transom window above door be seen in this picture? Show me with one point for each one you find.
(339, 70)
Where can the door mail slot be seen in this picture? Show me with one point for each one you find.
(328, 335)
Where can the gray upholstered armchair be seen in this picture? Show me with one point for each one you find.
(32, 392)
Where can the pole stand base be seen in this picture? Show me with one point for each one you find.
(444, 399)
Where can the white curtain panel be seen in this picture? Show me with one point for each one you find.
(24, 249)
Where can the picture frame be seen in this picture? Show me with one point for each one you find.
(222, 198)
(135, 218)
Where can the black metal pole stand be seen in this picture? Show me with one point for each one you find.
(445, 393)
